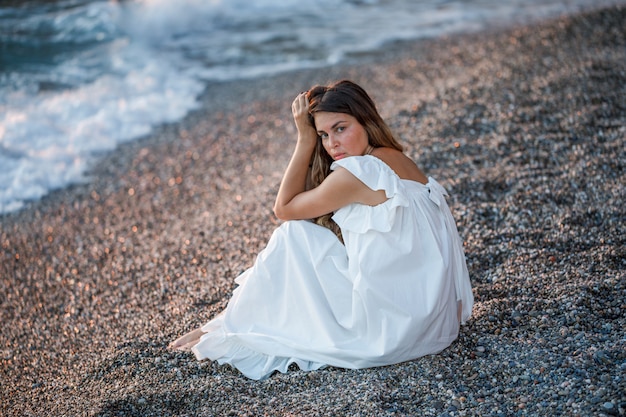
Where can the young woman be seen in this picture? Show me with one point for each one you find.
(367, 270)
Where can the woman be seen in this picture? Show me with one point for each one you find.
(367, 270)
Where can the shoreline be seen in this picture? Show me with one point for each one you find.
(524, 127)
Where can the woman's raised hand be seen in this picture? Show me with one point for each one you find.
(295, 178)
(300, 110)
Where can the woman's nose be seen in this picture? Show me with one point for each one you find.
(332, 142)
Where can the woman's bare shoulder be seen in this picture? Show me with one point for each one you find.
(401, 164)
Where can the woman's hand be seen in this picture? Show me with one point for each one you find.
(300, 111)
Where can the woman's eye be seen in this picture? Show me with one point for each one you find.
(324, 135)
(340, 129)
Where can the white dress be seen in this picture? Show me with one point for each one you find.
(389, 295)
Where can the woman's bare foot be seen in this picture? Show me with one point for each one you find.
(187, 341)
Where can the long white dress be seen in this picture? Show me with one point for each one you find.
(389, 295)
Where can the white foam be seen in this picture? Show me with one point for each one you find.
(47, 142)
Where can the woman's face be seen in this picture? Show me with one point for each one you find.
(342, 135)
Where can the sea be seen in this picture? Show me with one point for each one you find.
(79, 77)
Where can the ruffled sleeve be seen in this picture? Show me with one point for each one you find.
(377, 175)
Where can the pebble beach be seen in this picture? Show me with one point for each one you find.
(524, 126)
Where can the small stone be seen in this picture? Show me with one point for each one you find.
(608, 406)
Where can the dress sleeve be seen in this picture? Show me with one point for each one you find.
(377, 175)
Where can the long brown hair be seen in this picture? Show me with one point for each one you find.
(348, 98)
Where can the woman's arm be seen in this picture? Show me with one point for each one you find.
(339, 189)
(295, 177)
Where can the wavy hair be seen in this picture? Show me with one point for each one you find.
(348, 98)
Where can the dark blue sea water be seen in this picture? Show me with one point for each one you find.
(78, 77)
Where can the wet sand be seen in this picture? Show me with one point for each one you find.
(526, 129)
